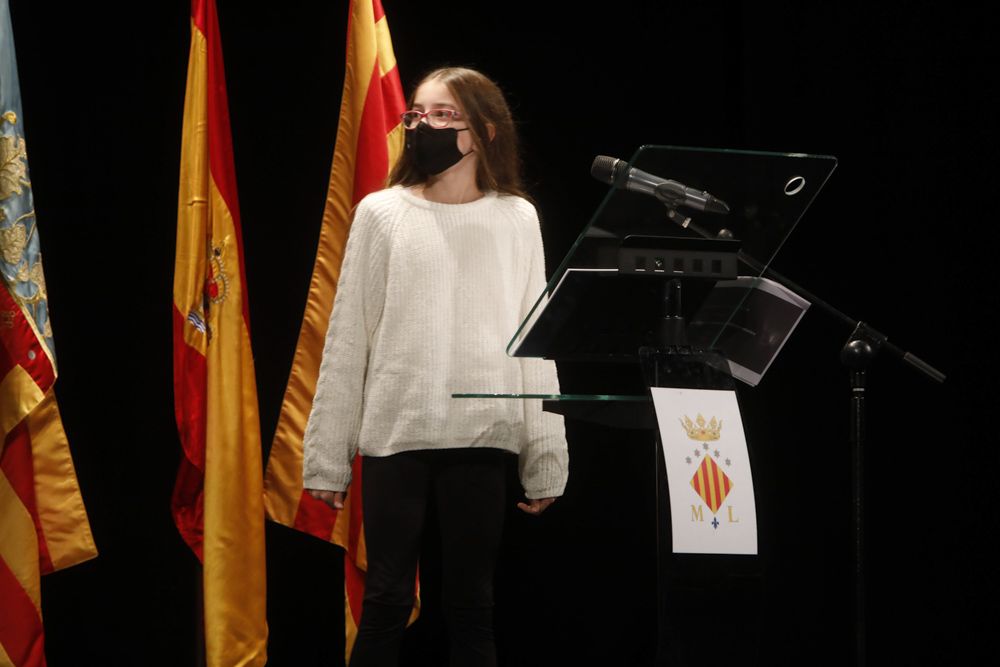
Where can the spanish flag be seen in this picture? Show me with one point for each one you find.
(217, 503)
(43, 523)
(369, 140)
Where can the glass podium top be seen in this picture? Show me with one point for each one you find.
(766, 195)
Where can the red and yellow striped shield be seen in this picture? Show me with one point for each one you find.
(711, 484)
(369, 139)
(217, 503)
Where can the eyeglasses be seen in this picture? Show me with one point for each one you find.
(436, 118)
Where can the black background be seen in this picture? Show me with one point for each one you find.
(903, 237)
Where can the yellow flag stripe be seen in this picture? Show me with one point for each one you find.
(386, 57)
(61, 512)
(18, 396)
(713, 492)
(395, 143)
(283, 479)
(362, 555)
(350, 627)
(234, 572)
(701, 481)
(190, 266)
(19, 542)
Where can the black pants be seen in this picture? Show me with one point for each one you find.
(468, 488)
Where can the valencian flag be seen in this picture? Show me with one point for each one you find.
(369, 139)
(217, 501)
(43, 523)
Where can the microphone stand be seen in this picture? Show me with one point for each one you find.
(861, 348)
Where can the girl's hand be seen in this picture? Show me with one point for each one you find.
(536, 506)
(335, 499)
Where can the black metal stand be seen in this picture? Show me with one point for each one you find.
(663, 640)
(857, 355)
(672, 334)
(673, 329)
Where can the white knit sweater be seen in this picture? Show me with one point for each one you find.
(428, 297)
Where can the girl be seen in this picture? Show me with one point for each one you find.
(439, 271)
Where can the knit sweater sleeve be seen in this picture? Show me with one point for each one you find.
(331, 437)
(544, 457)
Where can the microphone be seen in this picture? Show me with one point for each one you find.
(617, 173)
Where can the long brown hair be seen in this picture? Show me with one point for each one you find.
(482, 104)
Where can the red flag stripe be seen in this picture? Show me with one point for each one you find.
(190, 381)
(369, 173)
(706, 470)
(709, 487)
(188, 506)
(713, 482)
(709, 484)
(315, 517)
(19, 344)
(377, 9)
(17, 465)
(717, 479)
(723, 483)
(21, 628)
(392, 93)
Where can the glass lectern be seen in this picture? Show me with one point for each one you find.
(627, 290)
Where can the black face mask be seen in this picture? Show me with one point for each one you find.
(434, 150)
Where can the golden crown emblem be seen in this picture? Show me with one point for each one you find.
(701, 430)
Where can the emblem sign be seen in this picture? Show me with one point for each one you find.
(710, 485)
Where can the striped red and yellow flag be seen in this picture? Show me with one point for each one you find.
(217, 503)
(43, 523)
(369, 140)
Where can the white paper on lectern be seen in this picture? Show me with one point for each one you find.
(715, 513)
